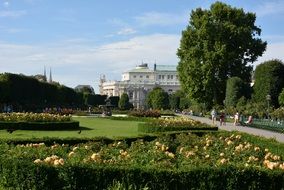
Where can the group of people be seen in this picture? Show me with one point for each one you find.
(222, 118)
(214, 117)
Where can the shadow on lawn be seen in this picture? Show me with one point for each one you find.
(81, 128)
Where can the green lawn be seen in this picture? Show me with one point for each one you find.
(90, 127)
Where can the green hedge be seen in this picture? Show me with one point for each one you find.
(131, 118)
(40, 125)
(148, 128)
(18, 174)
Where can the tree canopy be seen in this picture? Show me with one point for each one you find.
(157, 99)
(269, 80)
(124, 103)
(281, 98)
(236, 89)
(218, 43)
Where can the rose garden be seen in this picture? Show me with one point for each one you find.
(56, 137)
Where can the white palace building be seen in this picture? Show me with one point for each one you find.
(141, 80)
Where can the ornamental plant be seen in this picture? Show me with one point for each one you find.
(182, 152)
(33, 117)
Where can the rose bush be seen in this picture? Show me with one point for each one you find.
(183, 152)
(33, 117)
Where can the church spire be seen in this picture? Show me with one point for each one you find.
(44, 74)
(50, 76)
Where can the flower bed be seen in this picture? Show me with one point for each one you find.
(173, 124)
(185, 161)
(36, 121)
(33, 117)
(145, 113)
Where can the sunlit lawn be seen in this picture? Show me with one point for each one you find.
(90, 127)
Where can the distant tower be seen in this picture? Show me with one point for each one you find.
(50, 76)
(44, 75)
(102, 81)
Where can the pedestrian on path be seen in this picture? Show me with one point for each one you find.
(236, 117)
(222, 119)
(213, 116)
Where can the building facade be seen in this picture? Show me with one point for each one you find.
(141, 80)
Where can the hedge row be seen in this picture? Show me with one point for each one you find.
(148, 128)
(40, 125)
(19, 174)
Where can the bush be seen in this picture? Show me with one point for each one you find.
(168, 162)
(173, 124)
(145, 113)
(278, 114)
(66, 125)
(33, 117)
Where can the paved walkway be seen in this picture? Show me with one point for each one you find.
(230, 127)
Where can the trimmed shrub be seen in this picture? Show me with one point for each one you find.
(145, 113)
(149, 164)
(173, 124)
(21, 125)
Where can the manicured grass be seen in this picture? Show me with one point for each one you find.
(90, 127)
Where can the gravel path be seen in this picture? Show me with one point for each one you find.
(230, 127)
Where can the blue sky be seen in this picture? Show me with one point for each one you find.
(83, 39)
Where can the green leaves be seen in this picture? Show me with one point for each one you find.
(157, 99)
(269, 80)
(218, 43)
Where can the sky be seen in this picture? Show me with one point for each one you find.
(80, 40)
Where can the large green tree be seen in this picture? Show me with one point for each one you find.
(269, 80)
(218, 43)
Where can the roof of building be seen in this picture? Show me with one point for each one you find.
(166, 67)
(143, 68)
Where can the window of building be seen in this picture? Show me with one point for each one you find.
(172, 76)
(130, 95)
(147, 76)
(177, 77)
(134, 76)
(160, 76)
(163, 77)
(141, 76)
(169, 76)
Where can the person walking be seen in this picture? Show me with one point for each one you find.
(213, 116)
(222, 119)
(236, 117)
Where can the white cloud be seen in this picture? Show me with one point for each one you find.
(273, 51)
(6, 4)
(126, 31)
(162, 19)
(269, 8)
(13, 14)
(76, 62)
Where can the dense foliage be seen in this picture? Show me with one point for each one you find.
(235, 89)
(36, 121)
(269, 80)
(145, 113)
(281, 98)
(184, 161)
(157, 99)
(28, 94)
(34, 117)
(218, 43)
(173, 124)
(124, 103)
